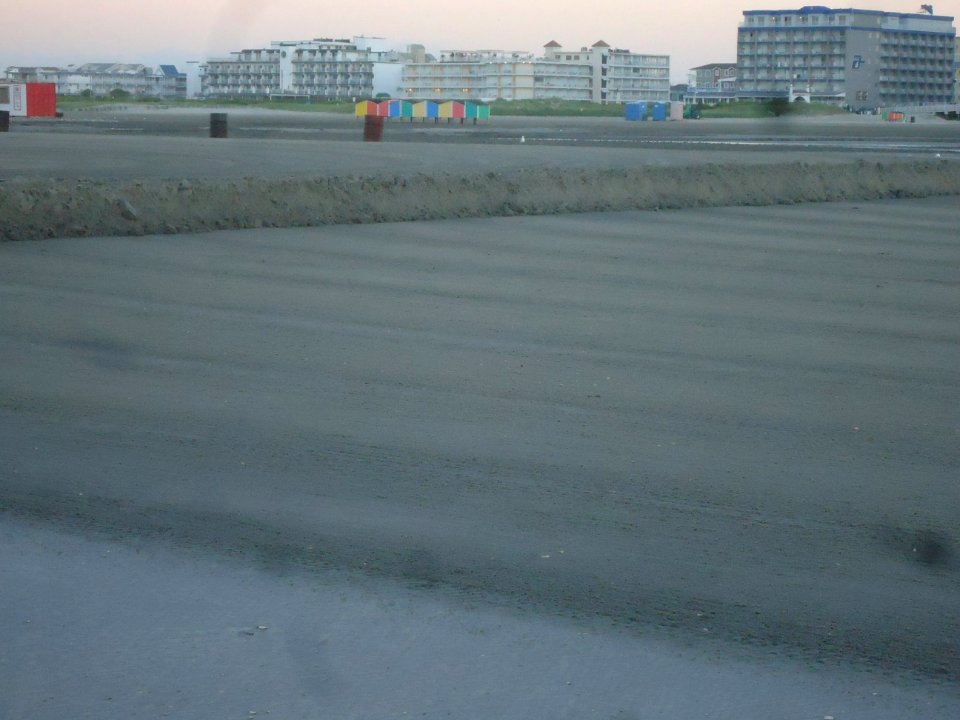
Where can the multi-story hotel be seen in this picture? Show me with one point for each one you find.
(863, 59)
(598, 74)
(323, 68)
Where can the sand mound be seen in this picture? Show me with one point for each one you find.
(36, 209)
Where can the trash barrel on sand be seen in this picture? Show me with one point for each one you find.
(373, 128)
(218, 125)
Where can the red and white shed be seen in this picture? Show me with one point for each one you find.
(29, 99)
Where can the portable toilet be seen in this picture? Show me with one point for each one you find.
(635, 111)
(660, 110)
(676, 111)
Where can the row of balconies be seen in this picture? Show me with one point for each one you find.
(332, 76)
(777, 86)
(913, 98)
(945, 45)
(240, 67)
(637, 86)
(335, 67)
(444, 72)
(917, 40)
(792, 49)
(795, 65)
(570, 71)
(803, 77)
(655, 74)
(745, 54)
(263, 87)
(932, 85)
(663, 63)
(261, 79)
(789, 77)
(944, 70)
(939, 55)
(233, 72)
(328, 54)
(562, 86)
(939, 45)
(239, 89)
(943, 61)
(802, 35)
(893, 73)
(333, 90)
(349, 83)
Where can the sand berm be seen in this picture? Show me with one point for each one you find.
(48, 205)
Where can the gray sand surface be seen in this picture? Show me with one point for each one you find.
(114, 632)
(695, 463)
(748, 413)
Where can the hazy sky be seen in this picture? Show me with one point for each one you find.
(692, 32)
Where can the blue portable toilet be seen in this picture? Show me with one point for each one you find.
(661, 111)
(636, 111)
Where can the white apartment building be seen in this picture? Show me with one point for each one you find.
(100, 79)
(323, 68)
(597, 74)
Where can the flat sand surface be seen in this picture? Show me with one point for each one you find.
(665, 463)
(743, 419)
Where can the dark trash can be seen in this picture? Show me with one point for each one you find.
(218, 125)
(373, 128)
(4, 120)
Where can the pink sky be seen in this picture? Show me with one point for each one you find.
(692, 32)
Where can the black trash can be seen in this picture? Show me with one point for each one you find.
(218, 125)
(372, 128)
(4, 120)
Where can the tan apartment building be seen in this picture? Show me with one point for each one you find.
(598, 73)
